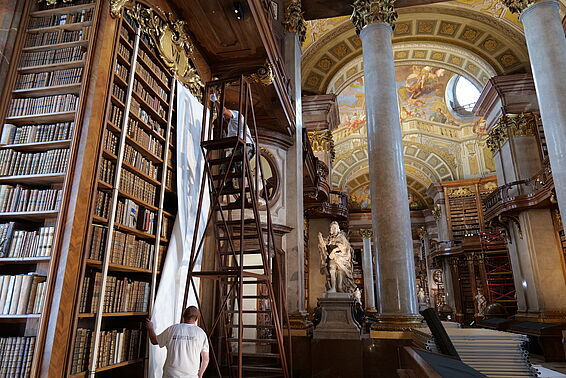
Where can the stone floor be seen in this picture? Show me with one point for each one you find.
(548, 369)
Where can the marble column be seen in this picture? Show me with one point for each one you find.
(295, 240)
(391, 223)
(367, 268)
(546, 44)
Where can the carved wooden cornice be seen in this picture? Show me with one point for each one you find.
(509, 126)
(321, 141)
(170, 38)
(295, 20)
(264, 75)
(368, 12)
(516, 6)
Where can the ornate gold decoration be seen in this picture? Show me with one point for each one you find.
(171, 40)
(516, 6)
(460, 192)
(366, 233)
(421, 232)
(116, 7)
(321, 141)
(264, 75)
(436, 211)
(509, 126)
(295, 21)
(368, 12)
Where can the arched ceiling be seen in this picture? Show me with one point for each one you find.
(451, 35)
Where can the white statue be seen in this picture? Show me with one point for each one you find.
(421, 296)
(481, 303)
(358, 295)
(336, 261)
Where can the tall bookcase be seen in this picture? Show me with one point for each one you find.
(132, 213)
(39, 141)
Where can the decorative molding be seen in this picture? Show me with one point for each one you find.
(505, 219)
(53, 2)
(172, 42)
(509, 126)
(436, 211)
(368, 12)
(516, 6)
(421, 232)
(264, 75)
(460, 192)
(116, 7)
(366, 233)
(321, 141)
(295, 20)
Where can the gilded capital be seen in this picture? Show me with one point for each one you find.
(322, 141)
(295, 21)
(516, 6)
(116, 7)
(366, 233)
(509, 126)
(368, 12)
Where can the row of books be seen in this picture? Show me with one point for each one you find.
(41, 105)
(137, 160)
(119, 92)
(116, 115)
(153, 67)
(98, 242)
(64, 4)
(149, 99)
(125, 295)
(136, 186)
(82, 350)
(122, 71)
(22, 294)
(170, 182)
(124, 33)
(53, 56)
(137, 110)
(128, 214)
(151, 143)
(16, 354)
(124, 51)
(49, 78)
(102, 205)
(12, 134)
(148, 78)
(107, 171)
(24, 243)
(110, 142)
(58, 36)
(166, 227)
(17, 163)
(129, 251)
(21, 199)
(83, 15)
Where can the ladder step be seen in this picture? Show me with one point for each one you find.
(261, 355)
(237, 252)
(266, 369)
(214, 274)
(225, 160)
(220, 144)
(268, 326)
(237, 237)
(234, 223)
(255, 297)
(225, 192)
(237, 206)
(249, 311)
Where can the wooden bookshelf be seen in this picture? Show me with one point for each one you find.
(44, 103)
(135, 142)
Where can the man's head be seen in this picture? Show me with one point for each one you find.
(190, 315)
(334, 228)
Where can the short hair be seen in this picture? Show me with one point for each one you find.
(191, 313)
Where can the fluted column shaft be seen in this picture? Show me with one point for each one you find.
(388, 185)
(547, 51)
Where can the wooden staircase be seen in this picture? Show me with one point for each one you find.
(251, 305)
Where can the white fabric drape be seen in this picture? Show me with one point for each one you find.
(190, 165)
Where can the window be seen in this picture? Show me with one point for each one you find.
(462, 96)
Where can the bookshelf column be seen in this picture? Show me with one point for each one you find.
(397, 299)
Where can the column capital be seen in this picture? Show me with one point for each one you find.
(368, 12)
(295, 21)
(366, 233)
(510, 126)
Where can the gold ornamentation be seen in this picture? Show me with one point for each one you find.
(516, 6)
(460, 192)
(421, 232)
(368, 12)
(436, 211)
(509, 126)
(366, 233)
(295, 20)
(321, 141)
(116, 7)
(264, 75)
(172, 42)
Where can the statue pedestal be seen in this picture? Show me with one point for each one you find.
(337, 321)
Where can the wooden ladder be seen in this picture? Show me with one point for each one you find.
(251, 308)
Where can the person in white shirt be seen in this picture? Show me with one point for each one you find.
(187, 346)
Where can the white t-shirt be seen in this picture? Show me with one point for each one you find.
(184, 344)
(233, 127)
